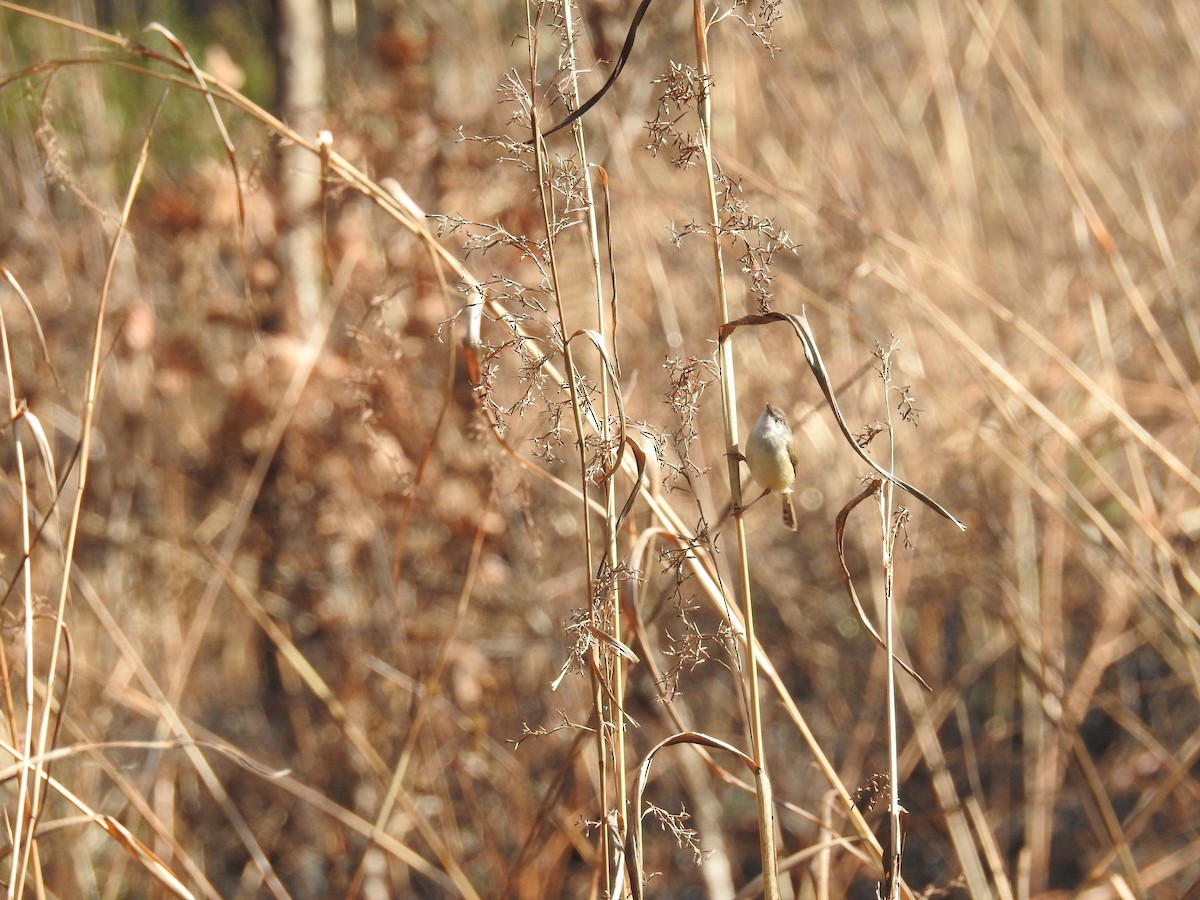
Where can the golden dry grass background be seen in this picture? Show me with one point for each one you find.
(1010, 189)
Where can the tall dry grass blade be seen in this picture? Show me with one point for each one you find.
(947, 793)
(1103, 807)
(613, 304)
(232, 753)
(991, 851)
(638, 486)
(1100, 231)
(113, 827)
(891, 521)
(768, 851)
(144, 855)
(33, 317)
(608, 724)
(399, 771)
(24, 851)
(1183, 618)
(58, 21)
(26, 575)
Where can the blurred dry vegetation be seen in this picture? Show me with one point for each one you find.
(312, 593)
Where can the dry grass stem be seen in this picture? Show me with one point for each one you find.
(376, 523)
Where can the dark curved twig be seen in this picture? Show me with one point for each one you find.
(621, 60)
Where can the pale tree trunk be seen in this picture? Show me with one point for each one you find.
(300, 40)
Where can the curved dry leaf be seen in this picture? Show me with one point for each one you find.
(472, 339)
(640, 456)
(840, 535)
(44, 452)
(144, 855)
(612, 264)
(612, 78)
(619, 647)
(37, 324)
(633, 828)
(597, 340)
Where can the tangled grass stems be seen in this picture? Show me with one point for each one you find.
(400, 206)
(768, 852)
(936, 183)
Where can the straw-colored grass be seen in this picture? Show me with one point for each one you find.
(447, 586)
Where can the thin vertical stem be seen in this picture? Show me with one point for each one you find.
(545, 196)
(886, 500)
(616, 716)
(766, 812)
(23, 802)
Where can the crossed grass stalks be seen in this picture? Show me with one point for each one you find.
(604, 652)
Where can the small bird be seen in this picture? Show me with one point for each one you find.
(771, 456)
